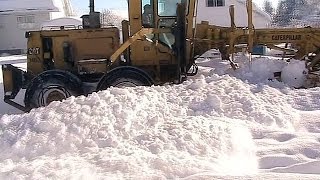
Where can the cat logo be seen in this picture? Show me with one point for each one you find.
(34, 51)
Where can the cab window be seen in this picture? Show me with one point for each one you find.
(168, 7)
(147, 14)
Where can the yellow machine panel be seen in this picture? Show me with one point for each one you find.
(64, 49)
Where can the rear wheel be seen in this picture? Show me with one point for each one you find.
(125, 77)
(127, 82)
(52, 86)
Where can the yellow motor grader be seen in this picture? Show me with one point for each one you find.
(160, 44)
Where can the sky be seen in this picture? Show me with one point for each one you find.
(82, 5)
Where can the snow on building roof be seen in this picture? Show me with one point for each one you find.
(13, 6)
(70, 22)
(256, 9)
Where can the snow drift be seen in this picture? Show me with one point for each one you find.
(128, 130)
(220, 124)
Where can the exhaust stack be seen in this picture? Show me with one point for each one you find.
(91, 6)
(91, 20)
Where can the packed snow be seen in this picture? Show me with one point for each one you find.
(220, 124)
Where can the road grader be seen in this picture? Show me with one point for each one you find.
(161, 41)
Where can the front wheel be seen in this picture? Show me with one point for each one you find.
(51, 91)
(52, 86)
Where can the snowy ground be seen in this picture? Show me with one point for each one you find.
(220, 124)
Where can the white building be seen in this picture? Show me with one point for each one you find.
(217, 13)
(19, 16)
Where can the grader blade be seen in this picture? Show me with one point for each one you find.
(13, 82)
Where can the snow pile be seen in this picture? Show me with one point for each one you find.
(124, 130)
(5, 59)
(294, 74)
(263, 70)
(219, 124)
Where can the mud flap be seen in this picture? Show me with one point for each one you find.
(13, 80)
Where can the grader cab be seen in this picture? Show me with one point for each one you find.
(160, 43)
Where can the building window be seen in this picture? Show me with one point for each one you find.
(215, 3)
(3, 20)
(26, 22)
(25, 19)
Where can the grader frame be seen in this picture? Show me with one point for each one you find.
(304, 42)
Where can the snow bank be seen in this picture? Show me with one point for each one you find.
(263, 69)
(219, 124)
(136, 130)
(12, 59)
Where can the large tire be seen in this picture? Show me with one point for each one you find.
(125, 77)
(53, 85)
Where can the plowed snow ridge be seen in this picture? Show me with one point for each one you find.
(218, 123)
